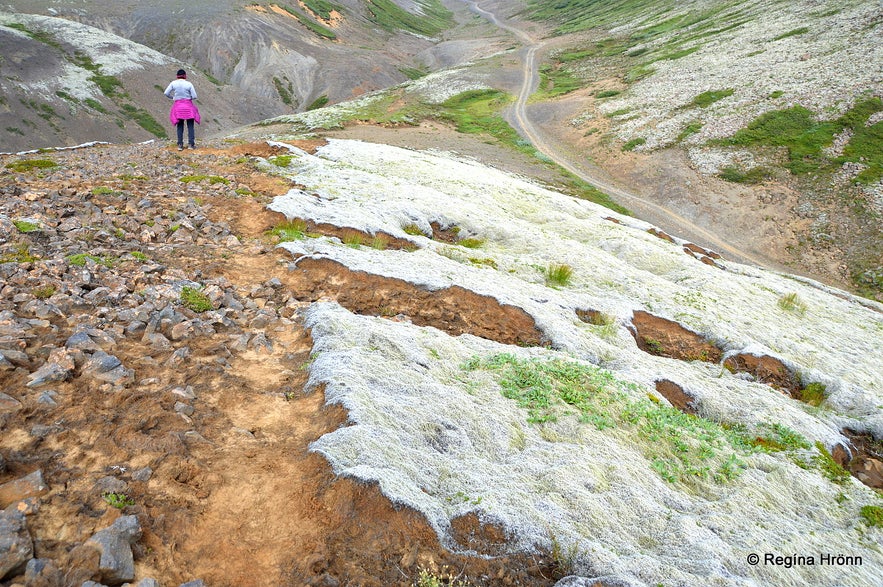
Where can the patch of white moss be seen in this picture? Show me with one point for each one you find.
(445, 441)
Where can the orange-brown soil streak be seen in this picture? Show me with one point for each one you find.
(453, 309)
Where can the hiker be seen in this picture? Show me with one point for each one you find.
(183, 110)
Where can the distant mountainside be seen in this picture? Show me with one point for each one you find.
(90, 71)
(761, 94)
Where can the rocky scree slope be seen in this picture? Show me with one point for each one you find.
(249, 60)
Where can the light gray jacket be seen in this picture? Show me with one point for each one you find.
(181, 89)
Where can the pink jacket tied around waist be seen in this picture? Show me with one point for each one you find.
(182, 110)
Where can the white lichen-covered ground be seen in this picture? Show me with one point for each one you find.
(432, 427)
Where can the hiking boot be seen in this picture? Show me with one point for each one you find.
(180, 147)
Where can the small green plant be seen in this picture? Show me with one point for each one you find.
(873, 515)
(281, 160)
(102, 190)
(691, 129)
(634, 143)
(79, 260)
(44, 292)
(444, 578)
(791, 302)
(290, 230)
(814, 393)
(559, 274)
(195, 299)
(138, 256)
(607, 93)
(25, 226)
(829, 466)
(22, 254)
(118, 500)
(471, 243)
(777, 94)
(31, 164)
(413, 230)
(706, 99)
(654, 346)
(379, 242)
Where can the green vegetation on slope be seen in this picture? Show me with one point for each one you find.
(797, 130)
(310, 24)
(680, 447)
(389, 16)
(322, 8)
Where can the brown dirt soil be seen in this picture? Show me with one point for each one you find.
(863, 458)
(766, 369)
(235, 497)
(666, 338)
(454, 310)
(676, 395)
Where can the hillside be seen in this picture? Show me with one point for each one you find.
(539, 386)
(91, 71)
(468, 325)
(757, 118)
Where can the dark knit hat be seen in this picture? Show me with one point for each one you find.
(182, 73)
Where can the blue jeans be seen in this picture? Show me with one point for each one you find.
(189, 132)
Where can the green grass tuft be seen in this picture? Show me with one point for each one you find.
(195, 299)
(390, 16)
(319, 102)
(706, 99)
(873, 515)
(753, 176)
(792, 33)
(791, 302)
(291, 230)
(559, 274)
(25, 226)
(634, 143)
(31, 164)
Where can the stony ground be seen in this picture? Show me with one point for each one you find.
(155, 429)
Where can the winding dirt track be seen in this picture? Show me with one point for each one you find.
(518, 117)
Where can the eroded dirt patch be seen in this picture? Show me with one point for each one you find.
(666, 338)
(767, 370)
(471, 533)
(863, 458)
(454, 310)
(676, 395)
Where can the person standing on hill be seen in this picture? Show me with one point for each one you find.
(183, 109)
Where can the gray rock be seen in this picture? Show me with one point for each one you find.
(261, 343)
(82, 341)
(92, 584)
(142, 475)
(178, 357)
(43, 571)
(49, 373)
(117, 564)
(16, 545)
(17, 358)
(30, 485)
(110, 484)
(148, 582)
(101, 362)
(182, 408)
(47, 398)
(8, 403)
(196, 583)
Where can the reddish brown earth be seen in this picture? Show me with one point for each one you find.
(666, 338)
